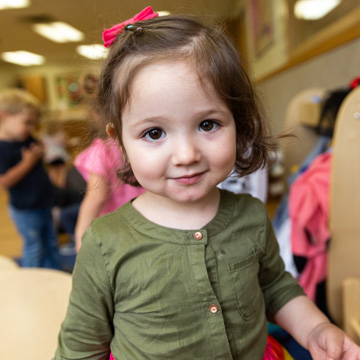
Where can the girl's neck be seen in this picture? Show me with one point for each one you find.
(177, 215)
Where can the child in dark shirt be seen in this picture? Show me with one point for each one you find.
(24, 177)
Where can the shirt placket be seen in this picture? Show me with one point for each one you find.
(210, 303)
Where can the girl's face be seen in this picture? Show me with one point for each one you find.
(180, 141)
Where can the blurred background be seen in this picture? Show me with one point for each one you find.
(302, 54)
(287, 45)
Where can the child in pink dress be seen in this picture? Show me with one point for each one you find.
(105, 193)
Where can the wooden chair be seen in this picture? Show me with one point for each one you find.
(351, 306)
(302, 115)
(33, 303)
(7, 263)
(344, 248)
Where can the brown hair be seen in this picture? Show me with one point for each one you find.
(217, 64)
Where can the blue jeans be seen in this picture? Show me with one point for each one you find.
(68, 217)
(39, 237)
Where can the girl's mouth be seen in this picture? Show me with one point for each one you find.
(189, 179)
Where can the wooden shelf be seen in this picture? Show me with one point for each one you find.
(340, 32)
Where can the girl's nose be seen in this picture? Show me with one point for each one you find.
(186, 152)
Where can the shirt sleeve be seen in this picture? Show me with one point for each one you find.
(87, 330)
(278, 285)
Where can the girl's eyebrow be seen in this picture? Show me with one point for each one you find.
(161, 119)
(146, 121)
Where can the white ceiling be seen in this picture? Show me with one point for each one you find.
(91, 17)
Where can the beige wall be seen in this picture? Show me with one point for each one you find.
(331, 70)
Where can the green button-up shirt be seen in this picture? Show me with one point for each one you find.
(144, 291)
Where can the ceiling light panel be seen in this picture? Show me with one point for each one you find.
(93, 52)
(59, 32)
(23, 58)
(163, 13)
(14, 4)
(314, 9)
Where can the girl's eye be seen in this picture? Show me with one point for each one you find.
(154, 134)
(208, 125)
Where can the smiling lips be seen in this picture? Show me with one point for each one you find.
(189, 179)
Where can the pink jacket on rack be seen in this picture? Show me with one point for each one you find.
(309, 212)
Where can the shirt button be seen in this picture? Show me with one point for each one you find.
(213, 308)
(198, 235)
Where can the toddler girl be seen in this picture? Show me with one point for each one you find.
(186, 270)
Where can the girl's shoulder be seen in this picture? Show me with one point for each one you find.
(112, 236)
(243, 202)
(113, 224)
(244, 210)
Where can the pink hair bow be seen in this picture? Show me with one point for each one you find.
(109, 35)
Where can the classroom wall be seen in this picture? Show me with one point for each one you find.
(9, 76)
(6, 77)
(331, 69)
(275, 54)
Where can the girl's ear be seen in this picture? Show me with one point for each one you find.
(110, 130)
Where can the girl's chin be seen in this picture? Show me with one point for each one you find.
(183, 194)
(192, 196)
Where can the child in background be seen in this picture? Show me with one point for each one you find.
(255, 184)
(56, 154)
(186, 270)
(23, 175)
(105, 192)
